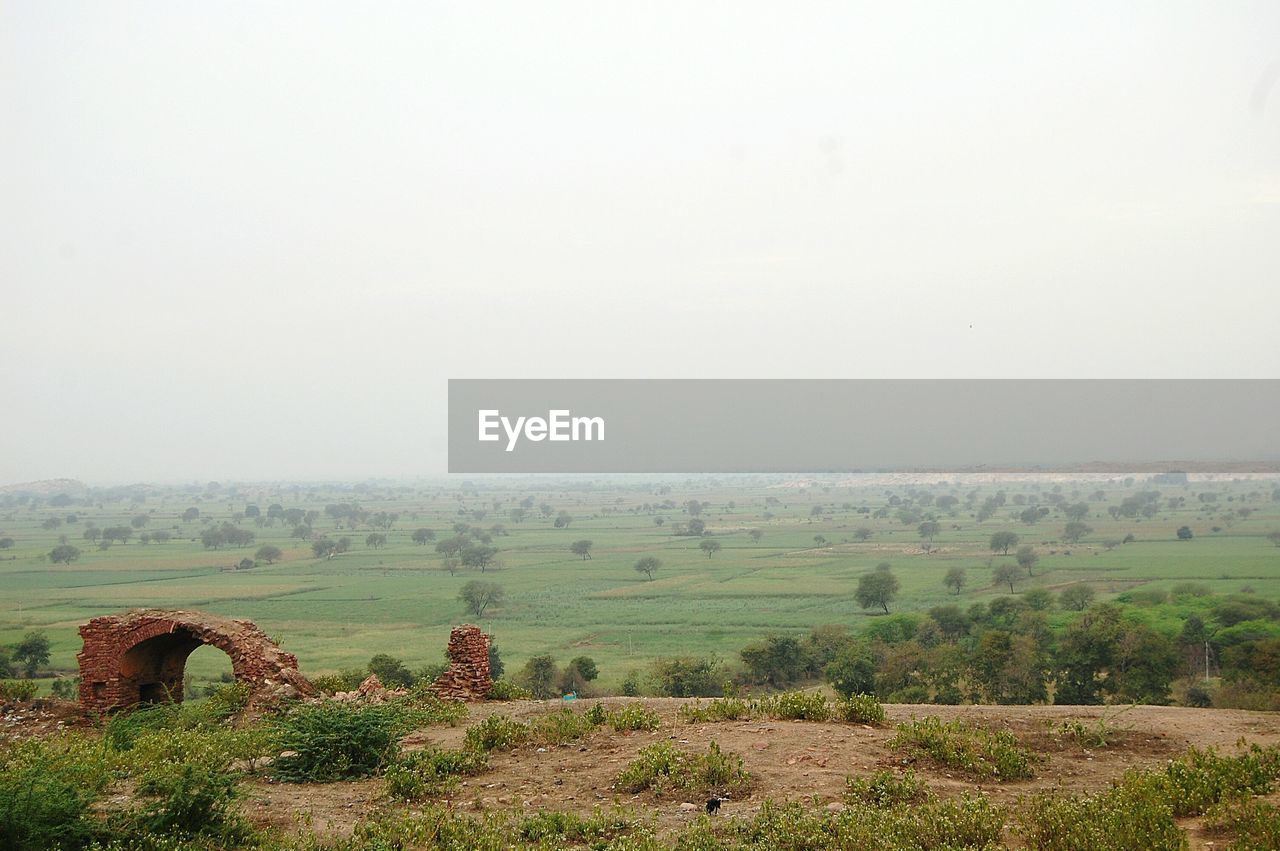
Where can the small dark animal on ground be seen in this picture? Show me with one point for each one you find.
(713, 804)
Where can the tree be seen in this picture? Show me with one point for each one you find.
(247, 564)
(1075, 530)
(955, 579)
(852, 671)
(581, 548)
(1002, 542)
(580, 671)
(423, 536)
(1184, 533)
(32, 652)
(756, 535)
(928, 529)
(1076, 597)
(390, 670)
(1077, 511)
(709, 547)
(452, 546)
(648, 565)
(268, 553)
(6, 543)
(324, 548)
(563, 519)
(877, 588)
(1007, 574)
(697, 527)
(478, 555)
(539, 676)
(479, 595)
(1274, 537)
(139, 520)
(1027, 558)
(376, 540)
(64, 554)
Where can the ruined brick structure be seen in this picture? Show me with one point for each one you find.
(467, 677)
(140, 657)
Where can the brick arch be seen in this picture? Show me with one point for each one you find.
(140, 657)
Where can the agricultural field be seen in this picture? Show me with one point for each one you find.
(789, 558)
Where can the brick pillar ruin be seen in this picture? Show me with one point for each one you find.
(467, 677)
(140, 657)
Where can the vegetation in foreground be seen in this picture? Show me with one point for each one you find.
(172, 777)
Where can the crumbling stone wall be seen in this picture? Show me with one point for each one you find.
(467, 677)
(140, 657)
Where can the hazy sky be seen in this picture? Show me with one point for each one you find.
(245, 240)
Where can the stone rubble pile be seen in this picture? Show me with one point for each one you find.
(467, 677)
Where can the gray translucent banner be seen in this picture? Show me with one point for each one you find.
(819, 425)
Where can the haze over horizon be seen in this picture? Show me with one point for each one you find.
(250, 242)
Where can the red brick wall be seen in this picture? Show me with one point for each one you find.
(141, 656)
(467, 677)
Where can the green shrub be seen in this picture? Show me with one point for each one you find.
(860, 709)
(967, 748)
(633, 716)
(1132, 817)
(723, 709)
(661, 766)
(886, 789)
(333, 741)
(46, 790)
(797, 706)
(429, 772)
(1255, 824)
(1201, 778)
(497, 732)
(329, 684)
(507, 690)
(188, 800)
(19, 690)
(970, 822)
(556, 728)
(425, 707)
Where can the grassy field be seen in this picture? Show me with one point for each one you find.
(397, 599)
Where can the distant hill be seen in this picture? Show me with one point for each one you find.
(47, 487)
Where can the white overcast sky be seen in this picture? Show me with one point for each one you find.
(247, 240)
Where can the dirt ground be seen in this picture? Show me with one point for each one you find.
(790, 760)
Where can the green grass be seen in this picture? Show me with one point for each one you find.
(338, 613)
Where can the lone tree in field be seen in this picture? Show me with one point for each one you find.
(423, 536)
(269, 554)
(955, 579)
(648, 565)
(1185, 533)
(1007, 574)
(756, 535)
(709, 547)
(1002, 542)
(1075, 530)
(863, 533)
(928, 529)
(581, 548)
(479, 556)
(877, 588)
(1027, 558)
(64, 554)
(376, 540)
(1274, 537)
(479, 595)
